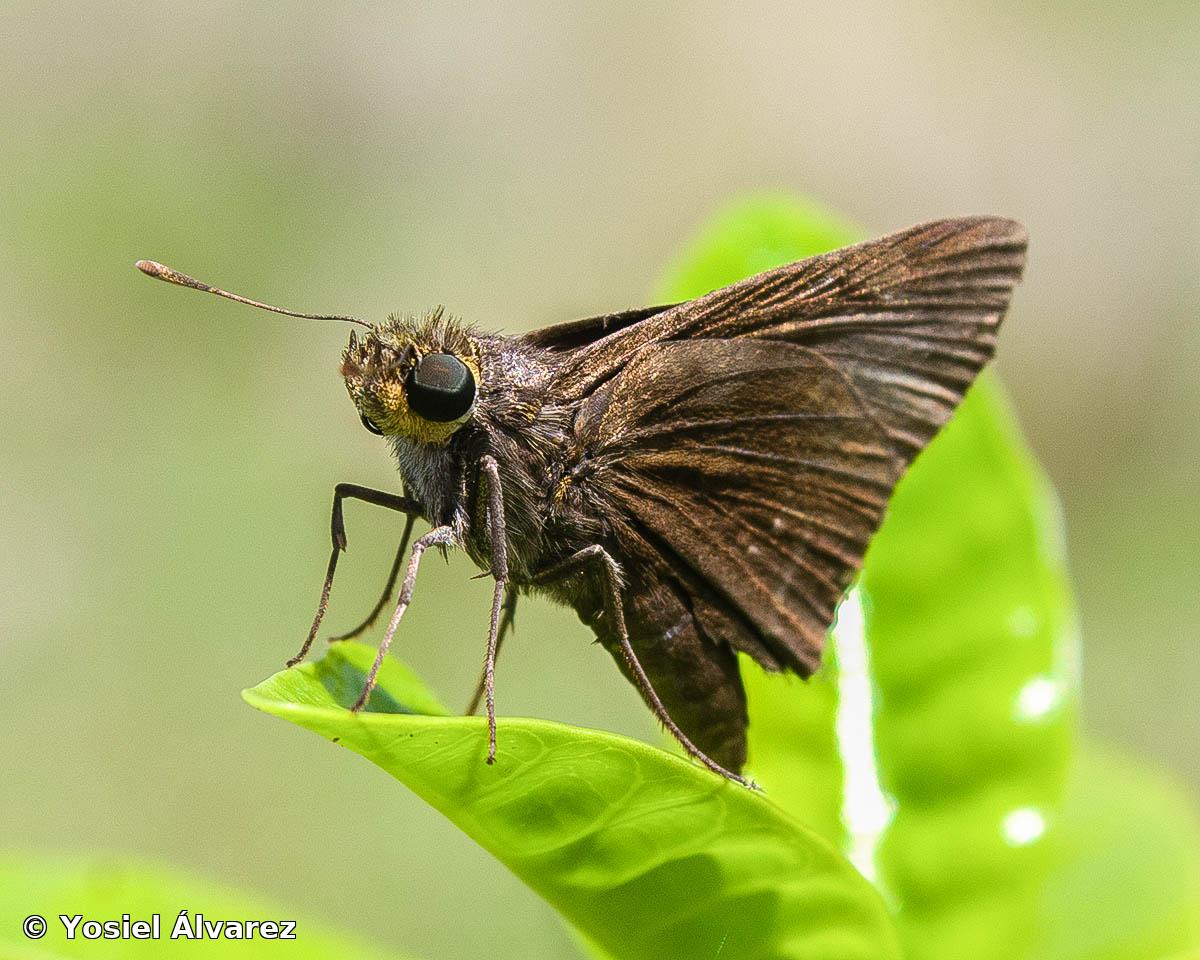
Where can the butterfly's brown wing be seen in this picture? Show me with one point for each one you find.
(578, 333)
(910, 318)
(747, 442)
(743, 479)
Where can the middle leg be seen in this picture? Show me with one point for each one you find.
(507, 622)
(498, 541)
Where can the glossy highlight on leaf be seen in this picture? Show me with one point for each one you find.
(972, 635)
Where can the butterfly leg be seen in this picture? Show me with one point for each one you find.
(498, 540)
(393, 576)
(596, 555)
(337, 526)
(437, 537)
(507, 620)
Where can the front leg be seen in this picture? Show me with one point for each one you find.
(337, 530)
(388, 587)
(437, 537)
(596, 555)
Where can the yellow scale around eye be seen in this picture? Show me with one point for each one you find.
(400, 420)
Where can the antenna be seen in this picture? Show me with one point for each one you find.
(161, 272)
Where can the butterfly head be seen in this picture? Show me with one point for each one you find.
(416, 378)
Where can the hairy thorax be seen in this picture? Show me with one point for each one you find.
(519, 422)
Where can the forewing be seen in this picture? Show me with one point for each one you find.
(756, 472)
(579, 333)
(909, 319)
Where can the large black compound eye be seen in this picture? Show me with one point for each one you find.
(440, 388)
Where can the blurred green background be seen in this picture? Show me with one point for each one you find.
(167, 460)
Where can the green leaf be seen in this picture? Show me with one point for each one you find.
(646, 854)
(1125, 882)
(104, 889)
(972, 644)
